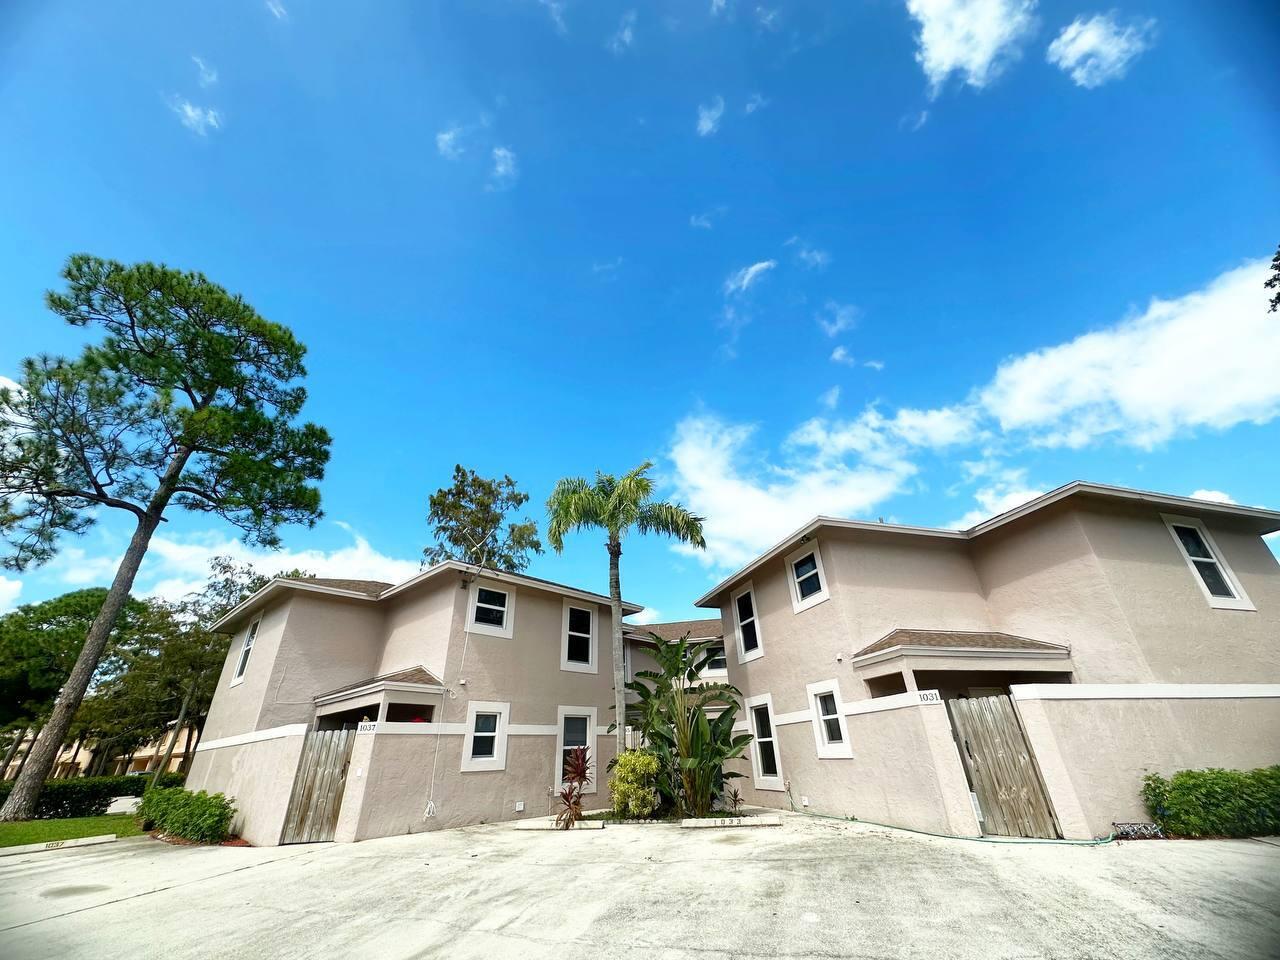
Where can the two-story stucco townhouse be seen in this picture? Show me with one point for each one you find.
(1135, 632)
(350, 709)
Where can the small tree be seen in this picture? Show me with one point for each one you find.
(1273, 282)
(190, 398)
(467, 519)
(616, 505)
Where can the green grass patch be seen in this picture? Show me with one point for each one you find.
(42, 831)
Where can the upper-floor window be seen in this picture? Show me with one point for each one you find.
(246, 648)
(578, 644)
(491, 610)
(806, 578)
(746, 626)
(1216, 580)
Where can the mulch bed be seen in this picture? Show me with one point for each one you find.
(184, 842)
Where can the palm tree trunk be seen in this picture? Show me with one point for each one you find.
(21, 804)
(619, 677)
(163, 765)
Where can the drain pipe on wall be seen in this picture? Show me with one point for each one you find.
(430, 810)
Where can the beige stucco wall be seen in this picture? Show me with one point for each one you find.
(419, 623)
(1182, 638)
(390, 781)
(904, 772)
(1093, 754)
(257, 776)
(236, 709)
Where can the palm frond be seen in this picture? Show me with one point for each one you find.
(574, 504)
(672, 520)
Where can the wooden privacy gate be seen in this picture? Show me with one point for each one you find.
(317, 786)
(1001, 768)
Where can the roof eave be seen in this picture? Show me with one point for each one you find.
(248, 605)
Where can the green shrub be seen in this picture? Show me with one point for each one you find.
(631, 785)
(1215, 803)
(202, 817)
(87, 796)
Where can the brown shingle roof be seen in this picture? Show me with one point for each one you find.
(412, 675)
(956, 638)
(677, 629)
(370, 588)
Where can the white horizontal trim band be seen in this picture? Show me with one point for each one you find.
(1144, 691)
(460, 729)
(254, 736)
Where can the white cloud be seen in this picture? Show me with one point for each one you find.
(768, 19)
(199, 120)
(842, 355)
(940, 427)
(700, 221)
(1007, 490)
(751, 503)
(555, 10)
(448, 143)
(621, 41)
(835, 318)
(733, 321)
(974, 38)
(913, 121)
(755, 102)
(9, 590)
(277, 9)
(505, 170)
(1096, 50)
(607, 268)
(709, 116)
(1207, 359)
(876, 365)
(830, 398)
(1214, 496)
(810, 257)
(208, 76)
(718, 7)
(741, 280)
(646, 616)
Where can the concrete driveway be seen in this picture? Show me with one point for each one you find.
(810, 888)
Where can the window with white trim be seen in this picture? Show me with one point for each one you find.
(806, 578)
(1216, 580)
(830, 729)
(746, 625)
(766, 767)
(246, 648)
(484, 746)
(578, 645)
(576, 727)
(718, 662)
(491, 609)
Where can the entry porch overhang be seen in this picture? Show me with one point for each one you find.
(961, 650)
(415, 685)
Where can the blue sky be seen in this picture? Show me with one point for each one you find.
(918, 261)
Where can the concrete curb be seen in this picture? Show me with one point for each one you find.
(551, 825)
(706, 823)
(57, 845)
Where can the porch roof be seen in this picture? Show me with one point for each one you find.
(906, 639)
(418, 676)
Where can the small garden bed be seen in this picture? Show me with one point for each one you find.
(23, 832)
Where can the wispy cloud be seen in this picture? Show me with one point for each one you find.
(876, 365)
(555, 10)
(700, 221)
(646, 616)
(199, 120)
(769, 19)
(740, 281)
(448, 143)
(207, 75)
(1213, 496)
(1097, 50)
(622, 39)
(835, 318)
(607, 269)
(505, 170)
(976, 39)
(842, 356)
(277, 9)
(830, 398)
(709, 115)
(755, 102)
(9, 591)
(809, 257)
(912, 122)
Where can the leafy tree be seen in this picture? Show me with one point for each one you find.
(674, 715)
(467, 522)
(617, 505)
(190, 398)
(1273, 282)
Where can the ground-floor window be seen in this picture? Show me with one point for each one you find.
(764, 746)
(830, 729)
(485, 745)
(576, 728)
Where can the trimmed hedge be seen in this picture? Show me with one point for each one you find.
(87, 796)
(202, 817)
(1215, 803)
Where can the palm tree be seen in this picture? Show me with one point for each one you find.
(616, 505)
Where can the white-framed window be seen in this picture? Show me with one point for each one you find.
(575, 727)
(578, 643)
(830, 730)
(806, 578)
(766, 765)
(1216, 580)
(491, 609)
(746, 624)
(484, 746)
(718, 666)
(246, 648)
